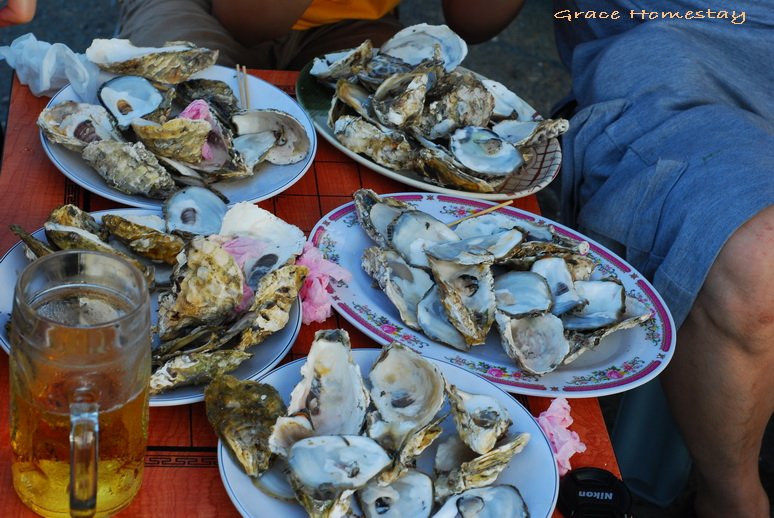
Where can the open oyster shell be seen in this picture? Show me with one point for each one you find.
(409, 495)
(173, 63)
(480, 419)
(74, 125)
(495, 501)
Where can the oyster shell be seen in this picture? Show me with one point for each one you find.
(339, 65)
(508, 105)
(479, 472)
(332, 389)
(194, 211)
(195, 369)
(530, 133)
(537, 343)
(129, 97)
(173, 63)
(290, 142)
(403, 284)
(409, 495)
(243, 413)
(467, 293)
(441, 168)
(605, 305)
(522, 293)
(481, 420)
(326, 470)
(74, 125)
(143, 240)
(217, 94)
(207, 286)
(401, 98)
(434, 322)
(180, 139)
(376, 213)
(486, 502)
(407, 391)
(559, 278)
(413, 232)
(485, 154)
(129, 168)
(458, 99)
(418, 43)
(389, 148)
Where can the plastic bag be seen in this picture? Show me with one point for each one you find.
(46, 67)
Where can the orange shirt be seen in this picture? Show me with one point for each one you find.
(322, 12)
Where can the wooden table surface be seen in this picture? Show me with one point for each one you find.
(181, 474)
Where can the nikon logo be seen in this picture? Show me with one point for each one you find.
(598, 495)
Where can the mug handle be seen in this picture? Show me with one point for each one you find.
(84, 441)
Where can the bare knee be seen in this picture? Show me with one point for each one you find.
(737, 299)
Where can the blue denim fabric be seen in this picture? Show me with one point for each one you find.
(672, 146)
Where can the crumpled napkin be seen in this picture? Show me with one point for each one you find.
(555, 422)
(316, 301)
(46, 67)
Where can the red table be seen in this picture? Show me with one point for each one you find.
(181, 476)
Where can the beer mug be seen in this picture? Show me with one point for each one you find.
(79, 369)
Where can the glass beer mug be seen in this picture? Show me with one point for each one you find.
(79, 370)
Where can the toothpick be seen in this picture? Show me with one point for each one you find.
(479, 213)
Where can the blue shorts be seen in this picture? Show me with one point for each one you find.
(672, 146)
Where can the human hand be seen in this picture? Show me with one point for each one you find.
(16, 12)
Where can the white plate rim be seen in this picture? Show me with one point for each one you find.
(369, 355)
(172, 397)
(522, 383)
(92, 182)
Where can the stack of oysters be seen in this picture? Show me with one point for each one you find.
(157, 128)
(337, 438)
(454, 285)
(409, 106)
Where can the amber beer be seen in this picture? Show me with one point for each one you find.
(79, 343)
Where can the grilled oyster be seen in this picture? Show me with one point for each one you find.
(74, 125)
(243, 413)
(195, 369)
(180, 138)
(217, 94)
(419, 43)
(143, 240)
(401, 98)
(485, 154)
(207, 286)
(129, 168)
(173, 63)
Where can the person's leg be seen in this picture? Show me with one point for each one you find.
(151, 23)
(337, 36)
(720, 383)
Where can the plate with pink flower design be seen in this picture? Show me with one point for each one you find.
(623, 360)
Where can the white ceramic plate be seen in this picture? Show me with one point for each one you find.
(533, 470)
(541, 171)
(265, 356)
(269, 181)
(623, 360)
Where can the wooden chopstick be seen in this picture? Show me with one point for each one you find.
(245, 87)
(239, 86)
(481, 212)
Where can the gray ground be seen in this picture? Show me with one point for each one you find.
(523, 58)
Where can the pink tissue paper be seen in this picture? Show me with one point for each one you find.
(315, 298)
(555, 422)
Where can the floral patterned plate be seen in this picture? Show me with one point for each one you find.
(623, 360)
